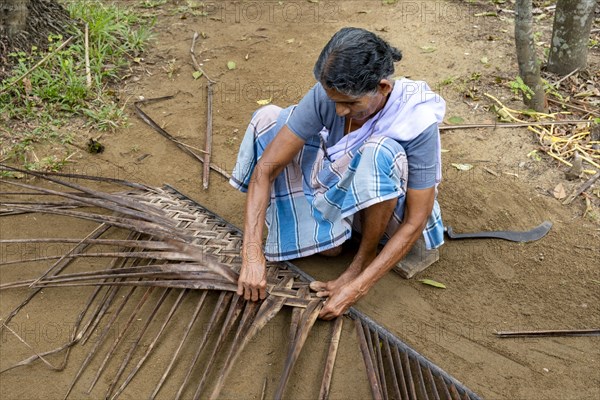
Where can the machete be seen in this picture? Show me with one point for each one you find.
(514, 236)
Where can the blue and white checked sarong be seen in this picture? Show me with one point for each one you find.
(314, 200)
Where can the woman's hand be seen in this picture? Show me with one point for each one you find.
(340, 300)
(252, 283)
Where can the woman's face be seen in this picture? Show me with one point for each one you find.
(363, 107)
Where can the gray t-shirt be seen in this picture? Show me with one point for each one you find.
(317, 111)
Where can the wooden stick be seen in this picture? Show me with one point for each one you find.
(42, 61)
(208, 137)
(263, 394)
(371, 374)
(194, 61)
(514, 124)
(297, 315)
(88, 72)
(444, 386)
(581, 189)
(454, 392)
(559, 332)
(168, 136)
(331, 355)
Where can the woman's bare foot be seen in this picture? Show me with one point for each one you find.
(323, 289)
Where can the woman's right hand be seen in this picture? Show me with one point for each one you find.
(252, 283)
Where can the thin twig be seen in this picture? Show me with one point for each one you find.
(194, 61)
(88, 72)
(208, 137)
(561, 332)
(27, 344)
(513, 124)
(167, 135)
(82, 176)
(263, 394)
(558, 82)
(42, 61)
(574, 107)
(581, 189)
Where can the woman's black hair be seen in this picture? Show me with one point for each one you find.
(354, 61)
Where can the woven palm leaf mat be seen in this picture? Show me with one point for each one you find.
(171, 263)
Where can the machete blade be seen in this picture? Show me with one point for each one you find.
(514, 236)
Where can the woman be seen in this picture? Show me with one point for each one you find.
(360, 151)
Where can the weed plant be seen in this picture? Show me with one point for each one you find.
(36, 109)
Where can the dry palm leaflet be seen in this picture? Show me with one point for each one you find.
(167, 275)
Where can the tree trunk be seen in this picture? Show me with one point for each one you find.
(570, 35)
(529, 66)
(13, 16)
(27, 23)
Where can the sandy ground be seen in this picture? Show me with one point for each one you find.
(491, 285)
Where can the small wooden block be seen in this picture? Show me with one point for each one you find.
(417, 260)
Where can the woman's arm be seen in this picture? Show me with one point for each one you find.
(279, 153)
(419, 204)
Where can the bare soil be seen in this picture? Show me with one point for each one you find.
(491, 285)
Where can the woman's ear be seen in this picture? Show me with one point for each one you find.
(385, 86)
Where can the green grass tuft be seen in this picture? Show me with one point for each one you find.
(35, 109)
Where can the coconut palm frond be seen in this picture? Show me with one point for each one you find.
(173, 279)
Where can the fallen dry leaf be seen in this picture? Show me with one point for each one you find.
(559, 192)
